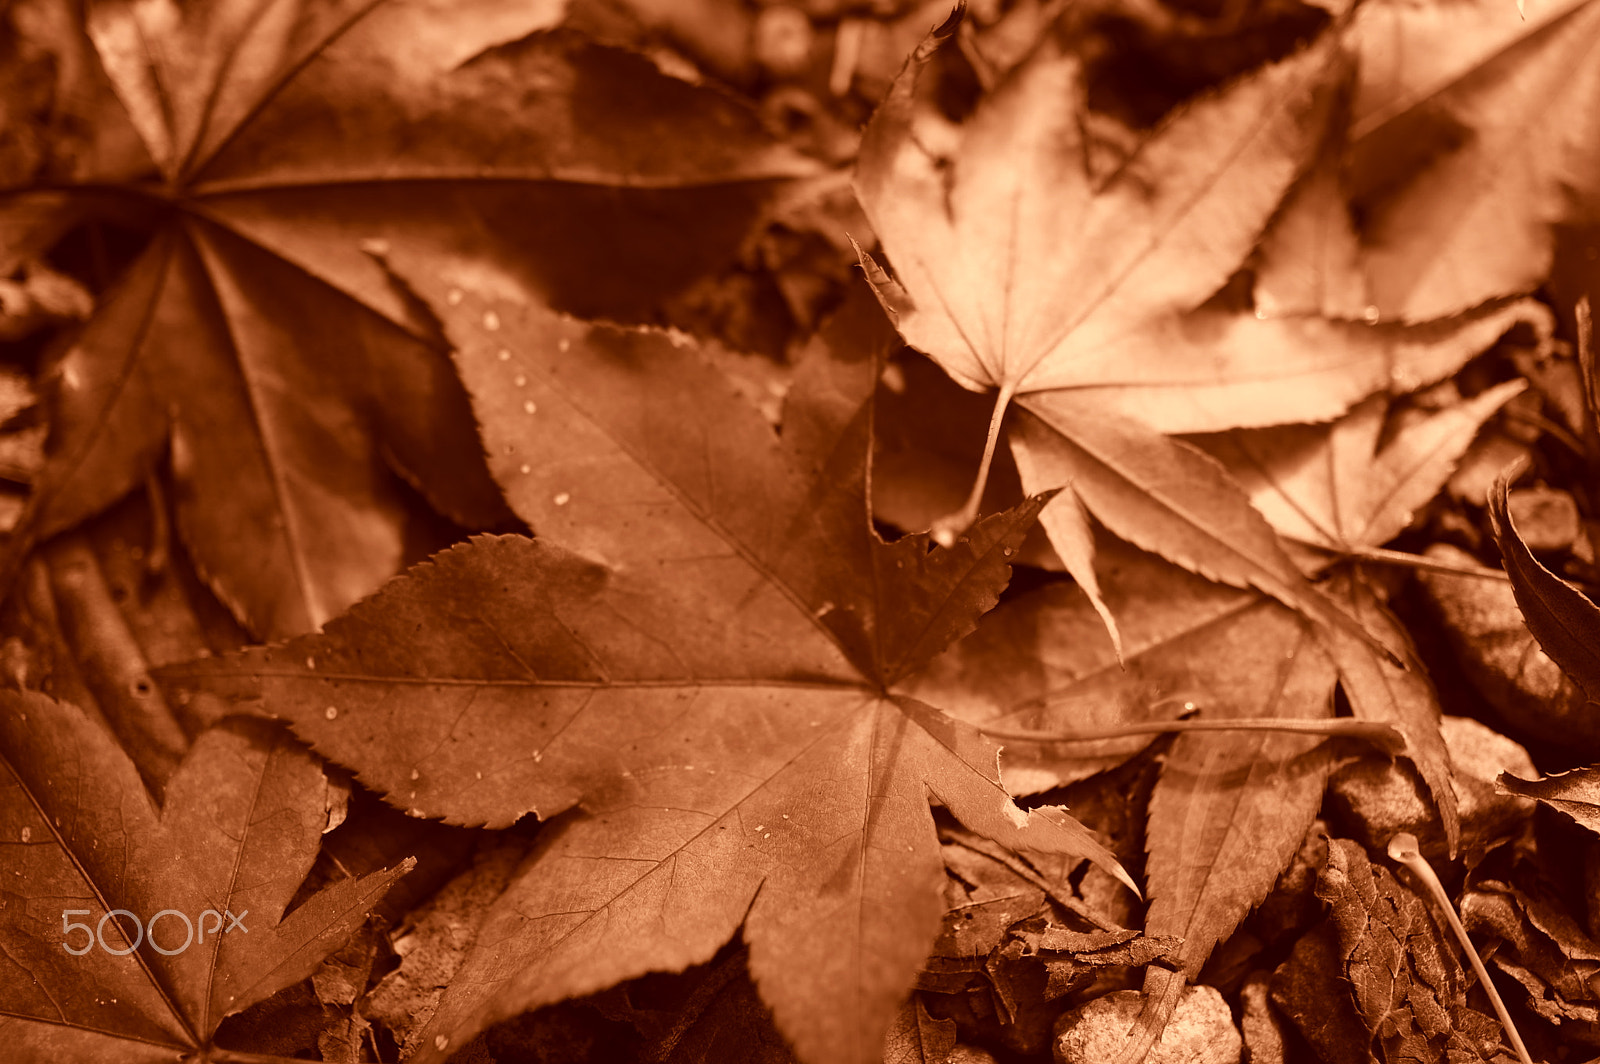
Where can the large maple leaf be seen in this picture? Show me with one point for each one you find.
(708, 672)
(257, 341)
(241, 823)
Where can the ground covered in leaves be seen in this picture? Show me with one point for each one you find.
(706, 531)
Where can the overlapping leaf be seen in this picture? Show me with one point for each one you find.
(1473, 135)
(706, 672)
(1230, 811)
(1575, 793)
(1042, 662)
(256, 341)
(1019, 269)
(1470, 139)
(1560, 616)
(1333, 488)
(241, 825)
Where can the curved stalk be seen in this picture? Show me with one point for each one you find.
(1385, 736)
(1403, 848)
(947, 528)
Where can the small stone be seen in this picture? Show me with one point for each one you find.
(1546, 518)
(1479, 468)
(1374, 800)
(783, 40)
(1201, 1030)
(961, 1053)
(1263, 1027)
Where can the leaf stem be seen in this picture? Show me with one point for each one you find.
(1386, 736)
(947, 528)
(1403, 848)
(1384, 556)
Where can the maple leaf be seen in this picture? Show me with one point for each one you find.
(1230, 808)
(241, 824)
(1470, 138)
(706, 667)
(1021, 270)
(257, 341)
(1042, 662)
(1333, 488)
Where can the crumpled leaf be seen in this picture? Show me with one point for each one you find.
(1561, 618)
(705, 669)
(1544, 949)
(1406, 982)
(1575, 793)
(242, 823)
(258, 346)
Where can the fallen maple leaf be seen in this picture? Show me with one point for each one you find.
(1470, 139)
(1333, 488)
(1042, 661)
(1020, 270)
(256, 340)
(242, 822)
(708, 672)
(1230, 810)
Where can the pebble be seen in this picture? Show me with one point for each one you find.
(783, 40)
(1201, 1030)
(1497, 656)
(961, 1053)
(1478, 469)
(1372, 800)
(1263, 1027)
(1546, 518)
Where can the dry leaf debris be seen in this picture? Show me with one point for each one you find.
(322, 255)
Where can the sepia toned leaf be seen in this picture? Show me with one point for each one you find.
(1564, 621)
(1575, 793)
(701, 674)
(242, 822)
(258, 351)
(1463, 162)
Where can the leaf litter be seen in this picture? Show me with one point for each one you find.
(1286, 248)
(736, 747)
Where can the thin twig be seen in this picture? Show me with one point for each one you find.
(1386, 736)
